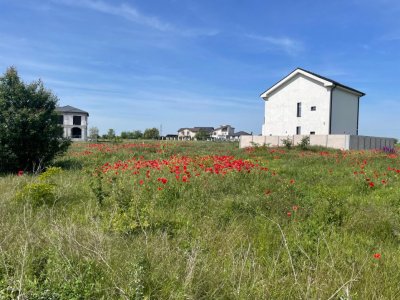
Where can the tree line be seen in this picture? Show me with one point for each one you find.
(149, 133)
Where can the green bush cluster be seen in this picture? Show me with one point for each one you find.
(42, 190)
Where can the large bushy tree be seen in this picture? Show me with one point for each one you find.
(30, 136)
(202, 135)
(151, 133)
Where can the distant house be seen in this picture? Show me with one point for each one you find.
(190, 133)
(223, 132)
(305, 103)
(171, 137)
(236, 136)
(74, 122)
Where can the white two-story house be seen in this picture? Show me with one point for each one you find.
(305, 103)
(74, 121)
(223, 132)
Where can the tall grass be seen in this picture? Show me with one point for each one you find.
(300, 224)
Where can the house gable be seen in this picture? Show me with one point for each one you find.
(324, 81)
(304, 102)
(297, 95)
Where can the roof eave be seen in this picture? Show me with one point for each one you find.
(325, 81)
(266, 93)
(350, 90)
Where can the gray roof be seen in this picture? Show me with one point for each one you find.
(207, 129)
(224, 126)
(70, 109)
(240, 133)
(197, 129)
(334, 82)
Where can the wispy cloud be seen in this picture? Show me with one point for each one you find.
(286, 44)
(125, 11)
(132, 14)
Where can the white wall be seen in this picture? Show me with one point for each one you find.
(281, 108)
(337, 141)
(68, 119)
(344, 112)
(68, 125)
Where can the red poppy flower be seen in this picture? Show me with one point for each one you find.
(371, 184)
(141, 182)
(289, 214)
(377, 255)
(20, 173)
(292, 181)
(163, 180)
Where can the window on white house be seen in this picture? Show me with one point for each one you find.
(298, 130)
(298, 109)
(313, 108)
(60, 120)
(312, 132)
(77, 120)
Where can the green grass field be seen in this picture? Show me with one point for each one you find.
(201, 220)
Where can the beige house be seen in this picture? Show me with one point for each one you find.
(74, 121)
(190, 133)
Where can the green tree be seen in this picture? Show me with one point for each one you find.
(202, 135)
(111, 134)
(133, 135)
(30, 136)
(137, 134)
(125, 135)
(93, 133)
(151, 133)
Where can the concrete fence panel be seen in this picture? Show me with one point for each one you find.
(337, 141)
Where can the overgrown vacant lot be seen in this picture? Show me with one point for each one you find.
(195, 220)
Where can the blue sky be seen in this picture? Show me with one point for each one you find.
(136, 64)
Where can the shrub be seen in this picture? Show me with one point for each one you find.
(42, 191)
(30, 136)
(287, 143)
(38, 193)
(304, 143)
(151, 133)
